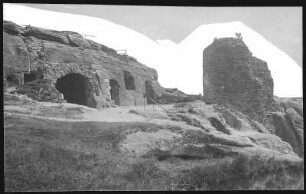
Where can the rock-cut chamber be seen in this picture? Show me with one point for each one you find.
(76, 89)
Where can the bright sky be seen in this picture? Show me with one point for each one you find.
(178, 65)
(282, 26)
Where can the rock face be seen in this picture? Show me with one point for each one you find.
(40, 90)
(85, 72)
(231, 75)
(234, 78)
(288, 125)
(284, 127)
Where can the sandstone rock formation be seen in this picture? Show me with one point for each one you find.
(45, 63)
(85, 72)
(235, 79)
(289, 125)
(40, 90)
(231, 75)
(283, 126)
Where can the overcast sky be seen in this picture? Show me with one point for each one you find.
(282, 26)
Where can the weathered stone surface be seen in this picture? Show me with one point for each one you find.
(11, 28)
(231, 75)
(259, 127)
(242, 83)
(271, 142)
(282, 125)
(197, 144)
(298, 121)
(235, 120)
(40, 90)
(173, 95)
(140, 143)
(44, 34)
(287, 103)
(218, 125)
(15, 54)
(55, 54)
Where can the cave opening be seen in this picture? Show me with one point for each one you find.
(149, 92)
(76, 89)
(28, 77)
(129, 81)
(114, 91)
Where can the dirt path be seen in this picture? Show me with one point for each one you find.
(122, 114)
(113, 114)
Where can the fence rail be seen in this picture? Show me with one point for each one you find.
(87, 35)
(124, 51)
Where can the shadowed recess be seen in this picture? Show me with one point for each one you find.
(114, 91)
(29, 77)
(76, 89)
(149, 92)
(129, 81)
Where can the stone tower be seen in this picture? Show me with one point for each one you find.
(231, 75)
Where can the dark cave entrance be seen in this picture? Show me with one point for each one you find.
(149, 92)
(114, 91)
(76, 89)
(129, 81)
(28, 77)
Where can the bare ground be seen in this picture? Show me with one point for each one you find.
(108, 149)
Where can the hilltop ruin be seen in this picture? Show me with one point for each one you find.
(231, 75)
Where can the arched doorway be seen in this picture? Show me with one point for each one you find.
(149, 92)
(76, 89)
(114, 91)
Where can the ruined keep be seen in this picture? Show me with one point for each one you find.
(231, 75)
(84, 71)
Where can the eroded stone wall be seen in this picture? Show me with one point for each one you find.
(54, 54)
(231, 75)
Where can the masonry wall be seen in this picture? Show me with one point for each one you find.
(231, 75)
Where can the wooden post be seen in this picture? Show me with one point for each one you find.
(144, 101)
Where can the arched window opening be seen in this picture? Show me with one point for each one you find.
(129, 81)
(114, 91)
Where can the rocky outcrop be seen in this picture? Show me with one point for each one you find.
(31, 53)
(188, 144)
(283, 125)
(288, 123)
(231, 75)
(40, 90)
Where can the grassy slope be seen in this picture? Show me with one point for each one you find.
(45, 155)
